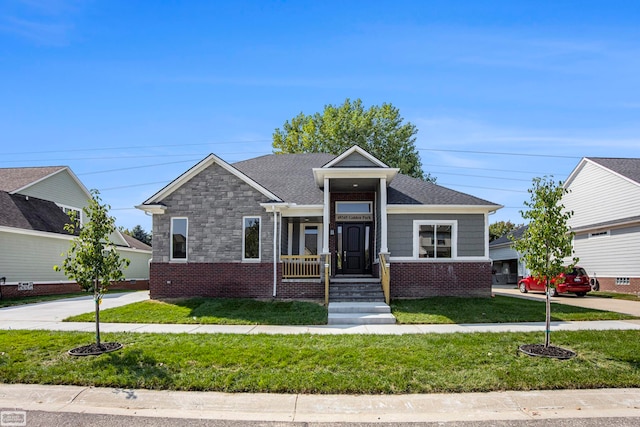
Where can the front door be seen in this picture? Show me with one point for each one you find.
(354, 241)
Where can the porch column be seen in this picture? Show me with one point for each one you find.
(383, 216)
(326, 218)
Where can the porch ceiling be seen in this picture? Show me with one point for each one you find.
(352, 185)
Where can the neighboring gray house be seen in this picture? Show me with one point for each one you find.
(604, 195)
(33, 206)
(508, 268)
(278, 225)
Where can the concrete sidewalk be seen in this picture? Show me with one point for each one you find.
(49, 315)
(528, 405)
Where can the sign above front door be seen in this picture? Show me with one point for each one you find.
(354, 211)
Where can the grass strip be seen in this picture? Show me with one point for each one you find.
(345, 364)
(500, 309)
(219, 311)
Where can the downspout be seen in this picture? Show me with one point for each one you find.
(275, 251)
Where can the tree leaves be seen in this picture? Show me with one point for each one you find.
(379, 130)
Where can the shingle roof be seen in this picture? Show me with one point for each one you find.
(290, 177)
(517, 234)
(12, 179)
(30, 213)
(629, 168)
(135, 243)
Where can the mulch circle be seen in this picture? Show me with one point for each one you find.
(95, 350)
(540, 350)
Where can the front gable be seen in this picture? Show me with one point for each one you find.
(155, 203)
(355, 157)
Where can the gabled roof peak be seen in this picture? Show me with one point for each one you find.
(353, 150)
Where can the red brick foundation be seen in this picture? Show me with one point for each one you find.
(255, 280)
(226, 280)
(424, 279)
(39, 289)
(608, 284)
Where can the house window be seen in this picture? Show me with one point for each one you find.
(435, 239)
(179, 235)
(310, 240)
(69, 209)
(353, 207)
(623, 281)
(251, 238)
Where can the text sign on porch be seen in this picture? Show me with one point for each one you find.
(354, 217)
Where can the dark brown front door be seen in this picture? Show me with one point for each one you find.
(354, 241)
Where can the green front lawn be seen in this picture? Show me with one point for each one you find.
(353, 364)
(219, 311)
(435, 310)
(500, 309)
(614, 295)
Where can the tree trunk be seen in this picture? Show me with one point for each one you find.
(97, 302)
(547, 334)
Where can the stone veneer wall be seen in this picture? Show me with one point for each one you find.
(214, 201)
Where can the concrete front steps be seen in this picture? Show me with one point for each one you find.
(355, 289)
(360, 313)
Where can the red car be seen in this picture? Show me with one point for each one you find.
(576, 282)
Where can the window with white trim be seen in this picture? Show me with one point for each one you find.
(251, 238)
(435, 239)
(69, 209)
(179, 234)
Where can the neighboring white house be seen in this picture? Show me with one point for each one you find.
(33, 206)
(604, 195)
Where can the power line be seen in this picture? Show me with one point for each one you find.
(138, 167)
(75, 150)
(482, 188)
(497, 153)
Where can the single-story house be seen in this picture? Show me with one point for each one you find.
(286, 225)
(34, 202)
(604, 195)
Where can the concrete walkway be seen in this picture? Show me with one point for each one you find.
(588, 301)
(49, 315)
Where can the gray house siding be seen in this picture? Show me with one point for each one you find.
(471, 233)
(356, 160)
(215, 202)
(60, 188)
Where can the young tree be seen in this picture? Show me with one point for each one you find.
(379, 130)
(92, 260)
(547, 242)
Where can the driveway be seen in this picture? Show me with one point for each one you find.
(588, 301)
(56, 311)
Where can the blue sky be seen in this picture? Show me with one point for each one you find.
(130, 94)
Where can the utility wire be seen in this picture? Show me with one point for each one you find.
(497, 153)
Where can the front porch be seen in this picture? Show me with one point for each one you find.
(341, 288)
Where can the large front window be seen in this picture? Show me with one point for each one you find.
(179, 238)
(251, 238)
(435, 239)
